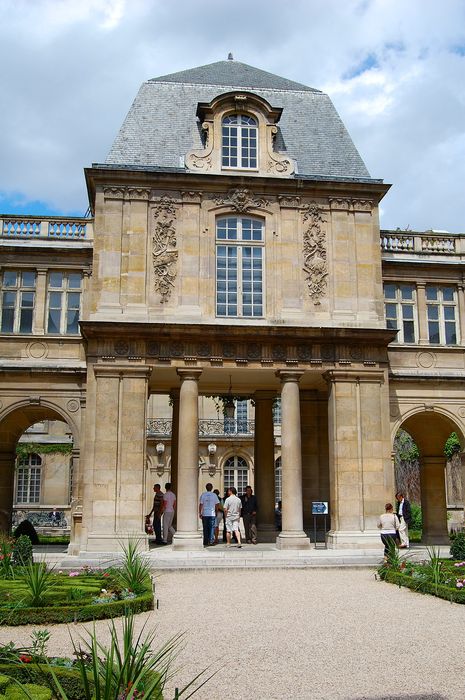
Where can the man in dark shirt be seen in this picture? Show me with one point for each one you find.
(157, 510)
(249, 515)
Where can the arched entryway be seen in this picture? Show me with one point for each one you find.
(13, 424)
(430, 430)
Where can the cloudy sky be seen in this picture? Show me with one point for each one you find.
(395, 70)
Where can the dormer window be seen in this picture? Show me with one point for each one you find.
(238, 132)
(239, 141)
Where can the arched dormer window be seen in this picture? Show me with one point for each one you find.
(239, 141)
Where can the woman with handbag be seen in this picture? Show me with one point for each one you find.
(389, 524)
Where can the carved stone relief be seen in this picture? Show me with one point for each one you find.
(241, 200)
(201, 159)
(314, 251)
(164, 253)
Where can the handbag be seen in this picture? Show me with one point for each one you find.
(148, 526)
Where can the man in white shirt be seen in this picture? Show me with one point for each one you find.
(169, 506)
(208, 506)
(232, 511)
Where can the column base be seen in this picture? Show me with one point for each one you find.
(188, 541)
(266, 533)
(434, 537)
(292, 540)
(354, 539)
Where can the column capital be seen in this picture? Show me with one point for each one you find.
(264, 395)
(189, 373)
(289, 375)
(116, 371)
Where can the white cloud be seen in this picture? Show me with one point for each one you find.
(395, 71)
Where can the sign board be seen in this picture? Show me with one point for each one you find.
(320, 508)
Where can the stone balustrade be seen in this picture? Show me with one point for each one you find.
(210, 427)
(424, 243)
(57, 228)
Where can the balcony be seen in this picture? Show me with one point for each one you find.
(216, 427)
(421, 244)
(51, 229)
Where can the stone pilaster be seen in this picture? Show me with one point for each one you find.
(115, 459)
(361, 474)
(433, 500)
(264, 464)
(7, 470)
(423, 337)
(292, 535)
(188, 535)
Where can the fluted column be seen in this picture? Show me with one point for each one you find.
(264, 464)
(187, 534)
(292, 535)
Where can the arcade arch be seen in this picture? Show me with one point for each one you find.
(430, 430)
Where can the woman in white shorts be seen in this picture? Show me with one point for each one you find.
(232, 511)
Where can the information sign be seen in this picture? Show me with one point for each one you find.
(320, 508)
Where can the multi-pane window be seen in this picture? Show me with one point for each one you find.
(400, 308)
(241, 415)
(28, 479)
(239, 267)
(17, 301)
(239, 141)
(277, 411)
(278, 482)
(64, 301)
(236, 473)
(441, 307)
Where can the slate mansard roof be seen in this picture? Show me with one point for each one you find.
(161, 126)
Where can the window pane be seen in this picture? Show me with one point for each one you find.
(451, 335)
(407, 312)
(8, 319)
(29, 279)
(54, 317)
(433, 332)
(74, 280)
(449, 313)
(433, 313)
(389, 291)
(448, 293)
(72, 321)
(10, 278)
(431, 293)
(409, 332)
(55, 279)
(406, 291)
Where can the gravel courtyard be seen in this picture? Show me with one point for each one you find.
(302, 634)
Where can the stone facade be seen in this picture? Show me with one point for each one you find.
(155, 340)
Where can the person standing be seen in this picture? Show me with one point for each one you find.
(169, 507)
(404, 513)
(249, 515)
(208, 508)
(232, 512)
(157, 511)
(219, 516)
(388, 523)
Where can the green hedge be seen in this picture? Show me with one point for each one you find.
(77, 612)
(69, 679)
(454, 595)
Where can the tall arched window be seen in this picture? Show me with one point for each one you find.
(239, 266)
(28, 479)
(236, 473)
(239, 141)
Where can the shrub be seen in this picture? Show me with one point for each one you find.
(27, 691)
(6, 555)
(22, 550)
(457, 548)
(417, 519)
(39, 580)
(70, 680)
(27, 528)
(4, 681)
(134, 574)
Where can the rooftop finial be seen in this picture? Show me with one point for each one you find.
(230, 57)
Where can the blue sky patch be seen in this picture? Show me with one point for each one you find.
(367, 64)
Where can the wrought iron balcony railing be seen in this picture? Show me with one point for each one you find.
(210, 427)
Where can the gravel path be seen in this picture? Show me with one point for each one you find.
(302, 634)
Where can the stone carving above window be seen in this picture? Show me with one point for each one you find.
(241, 200)
(314, 252)
(164, 242)
(239, 131)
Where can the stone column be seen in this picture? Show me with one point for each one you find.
(433, 500)
(40, 302)
(292, 535)
(174, 394)
(360, 470)
(7, 478)
(187, 534)
(114, 475)
(264, 464)
(423, 337)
